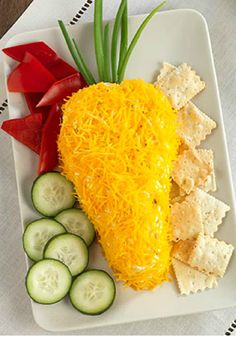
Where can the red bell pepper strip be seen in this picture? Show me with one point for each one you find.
(60, 69)
(30, 76)
(48, 152)
(32, 99)
(39, 49)
(62, 89)
(27, 130)
(45, 55)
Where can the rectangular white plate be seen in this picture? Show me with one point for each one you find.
(174, 36)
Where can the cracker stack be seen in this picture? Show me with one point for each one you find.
(198, 258)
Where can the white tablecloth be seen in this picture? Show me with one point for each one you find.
(15, 310)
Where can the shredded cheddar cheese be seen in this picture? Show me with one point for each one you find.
(117, 145)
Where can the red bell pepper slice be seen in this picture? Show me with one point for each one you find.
(48, 152)
(62, 89)
(32, 99)
(60, 69)
(27, 130)
(39, 49)
(45, 55)
(30, 76)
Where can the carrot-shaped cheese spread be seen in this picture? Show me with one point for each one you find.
(117, 145)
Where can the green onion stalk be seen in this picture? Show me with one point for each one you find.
(112, 59)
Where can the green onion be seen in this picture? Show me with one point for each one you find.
(107, 64)
(115, 34)
(124, 35)
(84, 65)
(98, 37)
(135, 40)
(74, 53)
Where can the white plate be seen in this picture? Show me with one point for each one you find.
(174, 36)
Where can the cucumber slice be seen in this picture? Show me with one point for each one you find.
(77, 222)
(69, 249)
(51, 193)
(48, 281)
(93, 292)
(37, 234)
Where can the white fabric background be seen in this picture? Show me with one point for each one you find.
(15, 309)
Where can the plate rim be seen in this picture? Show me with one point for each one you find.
(137, 16)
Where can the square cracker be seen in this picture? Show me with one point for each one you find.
(210, 255)
(207, 156)
(166, 69)
(176, 193)
(186, 220)
(181, 250)
(190, 280)
(193, 125)
(210, 183)
(190, 170)
(212, 210)
(181, 85)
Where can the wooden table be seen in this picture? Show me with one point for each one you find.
(10, 10)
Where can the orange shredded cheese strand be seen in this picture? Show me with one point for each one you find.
(117, 144)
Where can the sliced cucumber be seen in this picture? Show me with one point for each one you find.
(48, 281)
(52, 193)
(69, 249)
(93, 292)
(76, 222)
(37, 234)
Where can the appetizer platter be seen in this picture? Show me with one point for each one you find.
(122, 169)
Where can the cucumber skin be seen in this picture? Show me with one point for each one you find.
(31, 193)
(23, 244)
(42, 302)
(101, 312)
(55, 236)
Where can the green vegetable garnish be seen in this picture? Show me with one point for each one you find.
(98, 37)
(107, 63)
(135, 40)
(74, 50)
(116, 30)
(124, 35)
(83, 65)
(107, 57)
